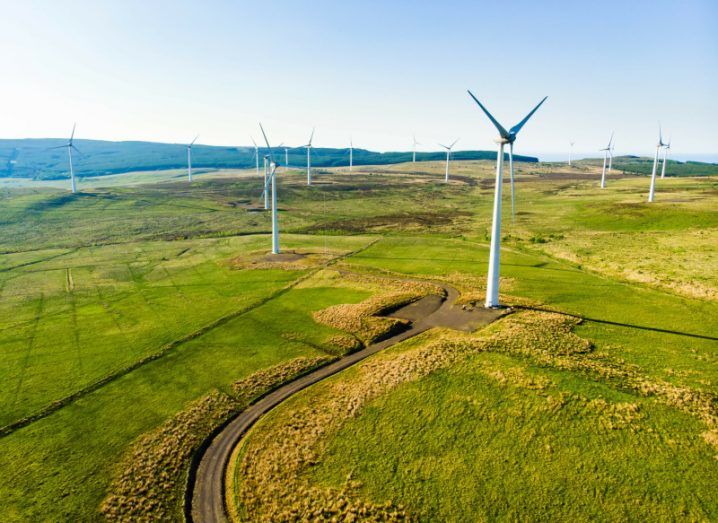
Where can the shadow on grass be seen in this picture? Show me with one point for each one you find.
(618, 324)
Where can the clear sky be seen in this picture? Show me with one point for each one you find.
(379, 71)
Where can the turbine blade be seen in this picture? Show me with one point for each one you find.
(192, 142)
(255, 143)
(311, 137)
(452, 145)
(78, 150)
(660, 133)
(72, 134)
(444, 146)
(271, 156)
(502, 131)
(610, 141)
(516, 128)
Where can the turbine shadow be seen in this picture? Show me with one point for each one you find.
(618, 324)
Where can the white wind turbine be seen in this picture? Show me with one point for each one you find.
(273, 181)
(189, 158)
(413, 156)
(665, 157)
(606, 152)
(286, 154)
(70, 146)
(570, 152)
(448, 157)
(256, 154)
(505, 137)
(309, 158)
(652, 191)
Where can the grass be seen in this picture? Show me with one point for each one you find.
(71, 453)
(92, 285)
(481, 446)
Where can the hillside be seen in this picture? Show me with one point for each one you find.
(35, 158)
(644, 165)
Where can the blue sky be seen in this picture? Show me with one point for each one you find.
(378, 71)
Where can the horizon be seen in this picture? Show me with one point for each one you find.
(548, 156)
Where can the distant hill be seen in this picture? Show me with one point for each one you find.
(35, 158)
(644, 165)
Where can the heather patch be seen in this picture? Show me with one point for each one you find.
(363, 319)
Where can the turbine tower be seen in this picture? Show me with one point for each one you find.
(256, 154)
(70, 146)
(665, 157)
(448, 157)
(273, 180)
(413, 156)
(309, 158)
(189, 158)
(570, 152)
(652, 191)
(265, 195)
(351, 154)
(505, 137)
(606, 152)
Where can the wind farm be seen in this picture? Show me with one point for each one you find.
(273, 324)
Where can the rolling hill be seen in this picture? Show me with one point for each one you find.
(36, 158)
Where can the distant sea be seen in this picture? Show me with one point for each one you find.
(558, 157)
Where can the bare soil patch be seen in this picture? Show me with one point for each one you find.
(284, 257)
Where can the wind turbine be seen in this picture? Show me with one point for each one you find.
(505, 137)
(448, 156)
(273, 180)
(413, 156)
(286, 154)
(652, 191)
(606, 152)
(351, 154)
(665, 157)
(309, 158)
(256, 154)
(570, 152)
(70, 146)
(189, 158)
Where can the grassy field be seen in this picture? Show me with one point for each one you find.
(515, 436)
(127, 301)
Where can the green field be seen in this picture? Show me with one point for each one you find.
(120, 305)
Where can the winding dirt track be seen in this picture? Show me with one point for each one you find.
(205, 498)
